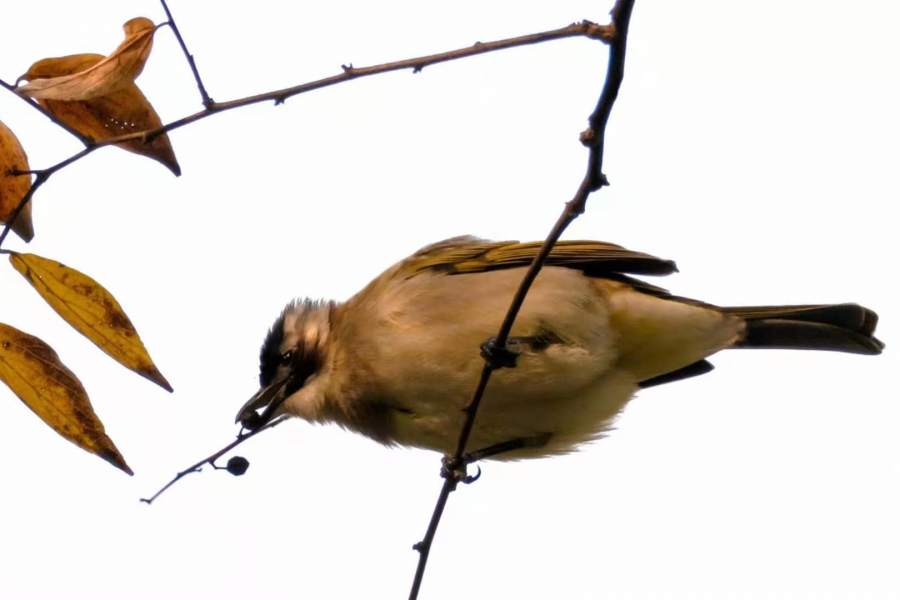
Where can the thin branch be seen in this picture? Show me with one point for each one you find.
(424, 547)
(207, 101)
(582, 29)
(595, 136)
(211, 460)
(604, 33)
(593, 180)
(86, 140)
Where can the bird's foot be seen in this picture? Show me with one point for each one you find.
(497, 356)
(455, 470)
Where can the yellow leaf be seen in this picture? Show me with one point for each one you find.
(14, 187)
(33, 372)
(111, 74)
(91, 310)
(119, 113)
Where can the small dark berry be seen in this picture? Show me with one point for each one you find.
(237, 465)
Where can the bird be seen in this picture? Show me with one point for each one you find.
(398, 361)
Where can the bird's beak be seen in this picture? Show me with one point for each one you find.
(268, 398)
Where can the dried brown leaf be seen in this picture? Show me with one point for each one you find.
(91, 310)
(111, 74)
(119, 113)
(61, 66)
(33, 371)
(14, 187)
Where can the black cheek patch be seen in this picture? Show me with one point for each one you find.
(270, 353)
(303, 366)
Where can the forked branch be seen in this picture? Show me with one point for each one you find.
(585, 29)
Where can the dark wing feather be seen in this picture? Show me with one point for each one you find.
(472, 255)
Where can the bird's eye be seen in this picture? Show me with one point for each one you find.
(286, 357)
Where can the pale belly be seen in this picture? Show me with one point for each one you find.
(570, 390)
(506, 413)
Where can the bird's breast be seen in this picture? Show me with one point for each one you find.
(419, 350)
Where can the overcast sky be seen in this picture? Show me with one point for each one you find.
(755, 143)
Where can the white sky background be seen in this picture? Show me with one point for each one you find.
(756, 143)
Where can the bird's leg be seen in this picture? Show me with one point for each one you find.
(534, 441)
(456, 469)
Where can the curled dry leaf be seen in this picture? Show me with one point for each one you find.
(109, 75)
(14, 187)
(118, 113)
(33, 371)
(91, 310)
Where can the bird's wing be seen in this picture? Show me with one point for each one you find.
(468, 254)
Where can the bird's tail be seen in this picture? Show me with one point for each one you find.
(835, 327)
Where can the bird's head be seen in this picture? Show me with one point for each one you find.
(292, 356)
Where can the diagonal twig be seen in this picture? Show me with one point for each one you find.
(593, 180)
(207, 101)
(86, 140)
(211, 460)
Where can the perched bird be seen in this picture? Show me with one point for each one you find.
(400, 359)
